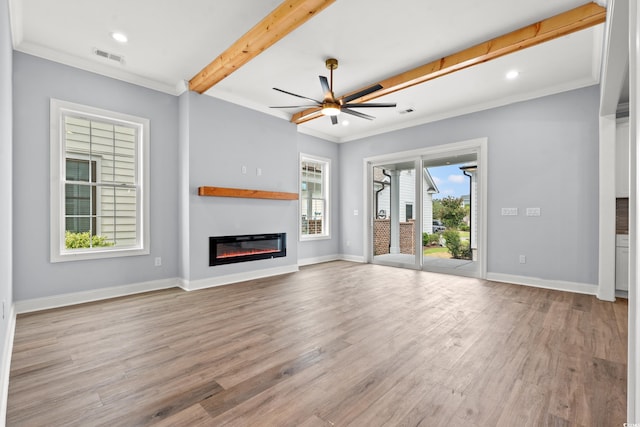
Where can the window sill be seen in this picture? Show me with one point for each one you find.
(97, 254)
(314, 238)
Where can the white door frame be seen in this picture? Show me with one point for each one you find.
(480, 145)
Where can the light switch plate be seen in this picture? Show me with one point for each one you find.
(533, 211)
(509, 211)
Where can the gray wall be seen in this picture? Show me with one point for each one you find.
(542, 153)
(328, 247)
(223, 137)
(35, 82)
(6, 126)
(216, 140)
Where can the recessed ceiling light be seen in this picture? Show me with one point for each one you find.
(513, 74)
(119, 37)
(345, 123)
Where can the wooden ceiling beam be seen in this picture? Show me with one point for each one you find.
(577, 19)
(281, 21)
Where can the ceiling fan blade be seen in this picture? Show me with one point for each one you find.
(370, 105)
(334, 120)
(362, 93)
(295, 106)
(357, 114)
(325, 87)
(299, 96)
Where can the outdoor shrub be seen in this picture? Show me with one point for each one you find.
(453, 243)
(466, 251)
(84, 240)
(430, 239)
(465, 227)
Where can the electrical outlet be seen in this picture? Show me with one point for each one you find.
(533, 211)
(523, 259)
(243, 169)
(158, 261)
(509, 211)
(258, 171)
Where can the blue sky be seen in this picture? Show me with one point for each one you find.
(450, 181)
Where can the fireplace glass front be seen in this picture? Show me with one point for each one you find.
(232, 249)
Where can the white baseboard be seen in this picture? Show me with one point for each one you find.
(6, 363)
(45, 303)
(318, 260)
(557, 285)
(211, 282)
(352, 258)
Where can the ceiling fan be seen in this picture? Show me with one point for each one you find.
(330, 106)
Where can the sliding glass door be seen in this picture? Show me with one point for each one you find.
(426, 209)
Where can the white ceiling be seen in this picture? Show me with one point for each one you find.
(170, 41)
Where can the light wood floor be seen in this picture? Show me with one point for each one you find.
(335, 344)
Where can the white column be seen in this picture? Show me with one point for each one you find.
(607, 209)
(633, 384)
(395, 212)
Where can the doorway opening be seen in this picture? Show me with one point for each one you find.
(426, 209)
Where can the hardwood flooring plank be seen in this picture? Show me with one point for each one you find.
(338, 343)
(193, 416)
(239, 393)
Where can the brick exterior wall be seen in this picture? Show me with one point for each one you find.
(315, 226)
(382, 237)
(407, 237)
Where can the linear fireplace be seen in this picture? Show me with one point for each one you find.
(231, 249)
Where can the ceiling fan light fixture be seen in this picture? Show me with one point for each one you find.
(330, 109)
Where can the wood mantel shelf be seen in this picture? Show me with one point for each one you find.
(247, 194)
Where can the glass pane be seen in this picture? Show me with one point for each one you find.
(315, 221)
(77, 135)
(77, 170)
(394, 234)
(118, 218)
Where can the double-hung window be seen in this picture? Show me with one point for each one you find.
(314, 197)
(99, 183)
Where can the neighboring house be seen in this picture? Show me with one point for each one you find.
(408, 211)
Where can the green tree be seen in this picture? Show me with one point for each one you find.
(452, 211)
(437, 209)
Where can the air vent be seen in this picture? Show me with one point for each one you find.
(111, 56)
(406, 111)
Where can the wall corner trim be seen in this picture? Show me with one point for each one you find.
(556, 285)
(319, 260)
(352, 258)
(229, 279)
(56, 301)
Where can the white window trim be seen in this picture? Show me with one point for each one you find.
(58, 252)
(327, 193)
